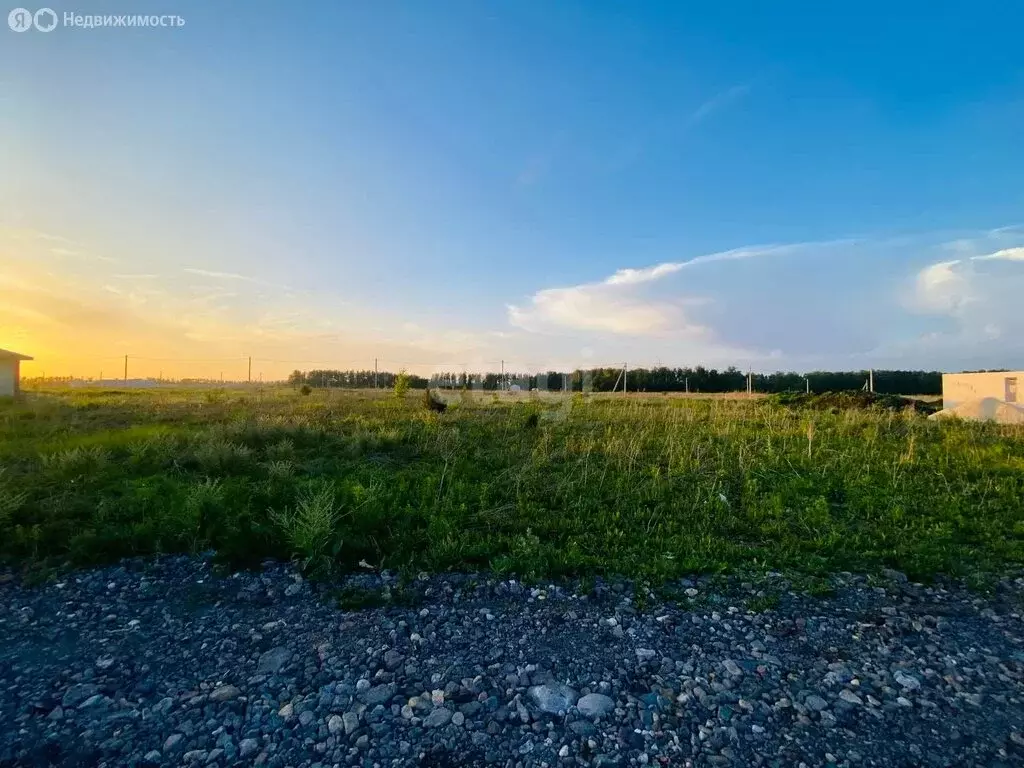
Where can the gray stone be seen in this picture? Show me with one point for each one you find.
(57, 713)
(94, 701)
(896, 576)
(194, 756)
(335, 724)
(153, 756)
(393, 660)
(379, 694)
(437, 718)
(351, 722)
(76, 694)
(273, 660)
(909, 682)
(247, 747)
(306, 717)
(458, 719)
(815, 702)
(595, 705)
(645, 654)
(553, 698)
(582, 728)
(363, 742)
(173, 740)
(850, 697)
(225, 693)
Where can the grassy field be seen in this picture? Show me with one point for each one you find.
(645, 486)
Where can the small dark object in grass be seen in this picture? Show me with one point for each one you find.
(532, 420)
(843, 401)
(305, 389)
(433, 403)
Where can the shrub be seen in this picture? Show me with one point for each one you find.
(10, 500)
(305, 389)
(77, 460)
(309, 526)
(402, 383)
(219, 455)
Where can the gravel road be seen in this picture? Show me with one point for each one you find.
(167, 662)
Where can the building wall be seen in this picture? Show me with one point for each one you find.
(8, 377)
(960, 387)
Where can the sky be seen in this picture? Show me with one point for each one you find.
(446, 185)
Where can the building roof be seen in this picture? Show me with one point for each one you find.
(1004, 371)
(8, 355)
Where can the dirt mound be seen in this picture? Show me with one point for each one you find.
(986, 409)
(844, 401)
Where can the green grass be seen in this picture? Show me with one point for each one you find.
(646, 487)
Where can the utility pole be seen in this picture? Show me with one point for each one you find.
(807, 382)
(126, 367)
(625, 377)
(502, 386)
(250, 369)
(375, 373)
(687, 384)
(871, 380)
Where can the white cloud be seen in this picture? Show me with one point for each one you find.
(617, 304)
(599, 307)
(630, 276)
(979, 302)
(1006, 254)
(221, 275)
(942, 288)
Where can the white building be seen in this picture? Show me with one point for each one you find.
(10, 372)
(1005, 386)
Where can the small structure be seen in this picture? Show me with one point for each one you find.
(989, 396)
(1005, 386)
(10, 372)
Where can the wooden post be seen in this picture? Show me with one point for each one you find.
(250, 369)
(126, 368)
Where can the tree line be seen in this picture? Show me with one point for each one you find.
(660, 379)
(351, 379)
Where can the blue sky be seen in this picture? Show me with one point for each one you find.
(455, 183)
